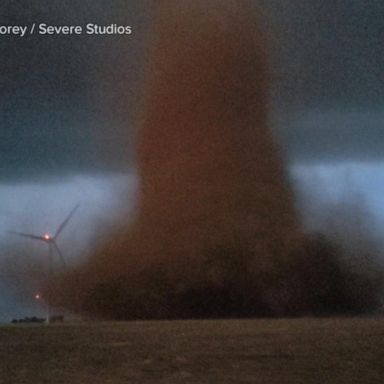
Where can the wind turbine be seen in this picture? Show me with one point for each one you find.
(52, 245)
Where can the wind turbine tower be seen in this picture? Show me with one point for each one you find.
(50, 240)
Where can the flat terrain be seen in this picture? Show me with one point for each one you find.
(225, 351)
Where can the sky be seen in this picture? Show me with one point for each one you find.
(69, 105)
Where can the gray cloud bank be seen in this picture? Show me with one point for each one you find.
(68, 103)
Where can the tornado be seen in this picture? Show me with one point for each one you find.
(211, 176)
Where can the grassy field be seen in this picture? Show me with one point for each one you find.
(224, 351)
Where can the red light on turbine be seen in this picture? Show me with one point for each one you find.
(47, 237)
(37, 296)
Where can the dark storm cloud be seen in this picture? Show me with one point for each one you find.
(328, 78)
(68, 103)
(329, 83)
(56, 91)
(329, 51)
(333, 135)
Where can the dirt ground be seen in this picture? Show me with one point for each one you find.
(217, 351)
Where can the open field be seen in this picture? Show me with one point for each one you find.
(224, 351)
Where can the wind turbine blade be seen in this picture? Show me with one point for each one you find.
(65, 222)
(35, 237)
(60, 254)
